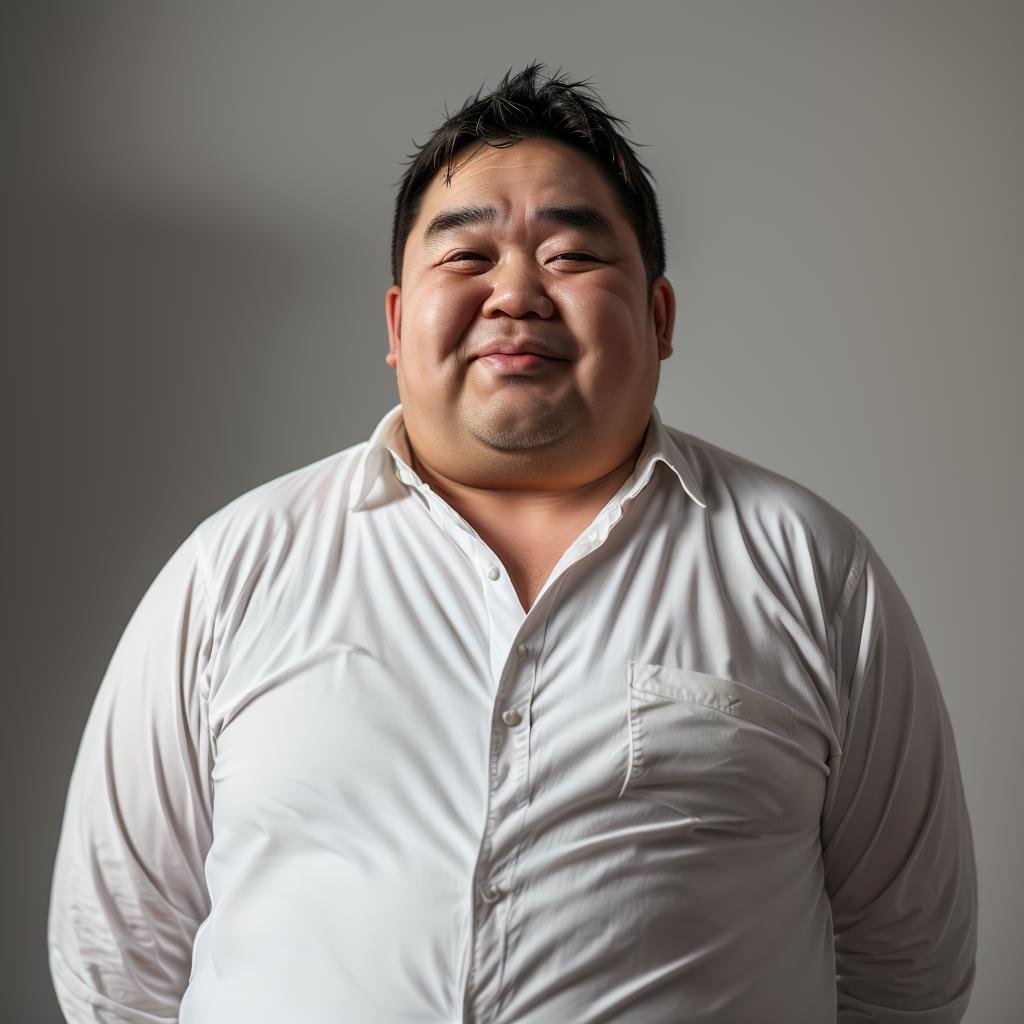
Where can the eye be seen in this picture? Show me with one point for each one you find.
(462, 257)
(577, 257)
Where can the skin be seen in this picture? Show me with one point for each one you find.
(528, 456)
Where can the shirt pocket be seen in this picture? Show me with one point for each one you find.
(711, 748)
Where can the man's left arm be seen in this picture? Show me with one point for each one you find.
(896, 838)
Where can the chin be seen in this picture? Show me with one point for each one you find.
(523, 430)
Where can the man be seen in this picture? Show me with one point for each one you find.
(530, 708)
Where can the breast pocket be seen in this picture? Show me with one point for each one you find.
(711, 748)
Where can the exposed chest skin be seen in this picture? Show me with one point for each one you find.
(529, 552)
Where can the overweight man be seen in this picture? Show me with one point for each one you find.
(530, 708)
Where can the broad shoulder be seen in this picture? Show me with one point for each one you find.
(778, 520)
(263, 523)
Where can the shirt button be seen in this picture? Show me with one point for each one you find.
(522, 651)
(511, 717)
(490, 893)
(493, 573)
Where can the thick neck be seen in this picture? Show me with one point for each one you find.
(527, 510)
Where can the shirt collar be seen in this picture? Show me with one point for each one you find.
(385, 463)
(385, 455)
(659, 446)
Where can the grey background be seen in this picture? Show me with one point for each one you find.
(197, 207)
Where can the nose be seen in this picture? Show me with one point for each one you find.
(517, 290)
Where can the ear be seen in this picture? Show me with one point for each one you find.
(663, 313)
(393, 315)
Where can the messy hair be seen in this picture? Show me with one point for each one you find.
(531, 105)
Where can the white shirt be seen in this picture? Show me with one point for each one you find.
(335, 773)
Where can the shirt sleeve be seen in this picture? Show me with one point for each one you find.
(128, 891)
(897, 848)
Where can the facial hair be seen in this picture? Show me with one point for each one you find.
(531, 425)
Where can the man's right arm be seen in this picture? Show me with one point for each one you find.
(129, 891)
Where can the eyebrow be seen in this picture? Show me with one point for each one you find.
(581, 216)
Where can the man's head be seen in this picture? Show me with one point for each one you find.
(527, 223)
(528, 105)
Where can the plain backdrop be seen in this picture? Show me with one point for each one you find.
(197, 204)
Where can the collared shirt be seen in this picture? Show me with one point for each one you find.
(335, 772)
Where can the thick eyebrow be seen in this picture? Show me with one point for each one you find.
(582, 216)
(587, 217)
(459, 217)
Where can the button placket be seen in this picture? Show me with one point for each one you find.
(492, 892)
(509, 826)
(491, 903)
(487, 942)
(513, 706)
(504, 613)
(514, 652)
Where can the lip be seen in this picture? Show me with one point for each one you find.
(519, 362)
(523, 346)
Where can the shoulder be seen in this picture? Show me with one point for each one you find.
(263, 525)
(781, 523)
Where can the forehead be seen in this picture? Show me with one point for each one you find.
(514, 179)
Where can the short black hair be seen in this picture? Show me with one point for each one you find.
(529, 105)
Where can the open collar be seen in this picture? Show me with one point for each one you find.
(385, 463)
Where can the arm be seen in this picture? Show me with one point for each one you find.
(896, 837)
(128, 890)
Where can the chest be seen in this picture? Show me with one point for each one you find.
(414, 693)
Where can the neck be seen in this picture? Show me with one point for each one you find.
(529, 508)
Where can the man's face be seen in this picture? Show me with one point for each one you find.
(521, 334)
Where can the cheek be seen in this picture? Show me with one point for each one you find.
(609, 323)
(600, 308)
(439, 317)
(618, 352)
